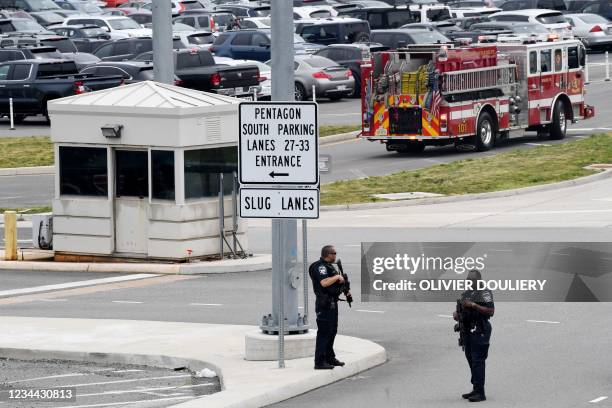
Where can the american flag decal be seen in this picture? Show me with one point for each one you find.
(435, 103)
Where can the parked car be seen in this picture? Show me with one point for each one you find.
(330, 80)
(381, 18)
(599, 7)
(448, 28)
(552, 20)
(394, 39)
(594, 31)
(130, 71)
(86, 38)
(118, 27)
(63, 45)
(245, 10)
(351, 56)
(81, 6)
(47, 18)
(194, 39)
(128, 48)
(508, 31)
(142, 17)
(334, 31)
(253, 45)
(30, 5)
(23, 25)
(115, 3)
(264, 91)
(12, 53)
(314, 12)
(462, 12)
(512, 5)
(255, 22)
(32, 83)
(114, 12)
(177, 8)
(198, 70)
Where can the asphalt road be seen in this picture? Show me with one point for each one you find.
(545, 355)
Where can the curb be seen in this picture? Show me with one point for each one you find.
(256, 263)
(339, 137)
(28, 171)
(606, 173)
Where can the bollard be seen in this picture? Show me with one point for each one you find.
(607, 68)
(10, 235)
(314, 93)
(255, 95)
(11, 113)
(586, 69)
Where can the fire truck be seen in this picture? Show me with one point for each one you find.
(472, 96)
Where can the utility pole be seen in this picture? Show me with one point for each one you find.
(163, 57)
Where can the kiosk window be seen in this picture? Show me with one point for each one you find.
(202, 168)
(533, 62)
(162, 174)
(83, 171)
(132, 173)
(545, 61)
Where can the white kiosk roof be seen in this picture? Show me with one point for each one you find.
(144, 97)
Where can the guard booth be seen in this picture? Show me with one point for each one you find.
(138, 174)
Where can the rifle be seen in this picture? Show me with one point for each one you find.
(346, 286)
(460, 326)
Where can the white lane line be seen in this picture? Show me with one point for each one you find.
(53, 300)
(449, 316)
(77, 284)
(126, 301)
(543, 321)
(127, 381)
(115, 404)
(205, 304)
(137, 390)
(537, 144)
(127, 371)
(369, 311)
(46, 378)
(500, 250)
(599, 399)
(358, 173)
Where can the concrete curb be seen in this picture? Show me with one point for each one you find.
(244, 383)
(338, 138)
(27, 171)
(258, 262)
(606, 173)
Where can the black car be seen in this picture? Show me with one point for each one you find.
(512, 5)
(381, 18)
(35, 6)
(23, 25)
(600, 7)
(28, 53)
(448, 28)
(334, 31)
(395, 39)
(130, 71)
(47, 18)
(63, 45)
(351, 56)
(127, 48)
(86, 38)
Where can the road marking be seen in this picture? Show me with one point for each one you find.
(77, 284)
(599, 399)
(47, 378)
(205, 304)
(543, 321)
(358, 173)
(130, 380)
(127, 371)
(95, 289)
(537, 144)
(369, 311)
(500, 250)
(115, 404)
(53, 300)
(127, 302)
(151, 390)
(449, 316)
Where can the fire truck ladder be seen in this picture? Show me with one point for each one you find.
(478, 79)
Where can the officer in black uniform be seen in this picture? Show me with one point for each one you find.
(478, 307)
(327, 286)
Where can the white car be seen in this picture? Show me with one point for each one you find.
(463, 12)
(255, 22)
(265, 74)
(195, 38)
(593, 30)
(553, 20)
(314, 12)
(116, 26)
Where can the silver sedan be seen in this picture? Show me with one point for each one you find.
(595, 31)
(329, 79)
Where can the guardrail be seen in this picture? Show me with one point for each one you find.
(596, 66)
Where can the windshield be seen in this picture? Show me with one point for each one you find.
(42, 5)
(27, 25)
(201, 39)
(123, 24)
(47, 55)
(192, 5)
(265, 12)
(93, 32)
(297, 39)
(64, 45)
(593, 19)
(552, 18)
(428, 37)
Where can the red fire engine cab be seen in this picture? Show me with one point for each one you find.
(472, 96)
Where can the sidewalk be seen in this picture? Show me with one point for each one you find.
(170, 344)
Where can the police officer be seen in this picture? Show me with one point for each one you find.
(478, 307)
(327, 286)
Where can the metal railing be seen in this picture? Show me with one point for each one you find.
(597, 67)
(478, 79)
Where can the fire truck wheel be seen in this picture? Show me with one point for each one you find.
(559, 121)
(300, 92)
(485, 136)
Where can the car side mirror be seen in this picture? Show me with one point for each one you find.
(265, 45)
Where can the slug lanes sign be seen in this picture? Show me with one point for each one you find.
(279, 143)
(300, 203)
